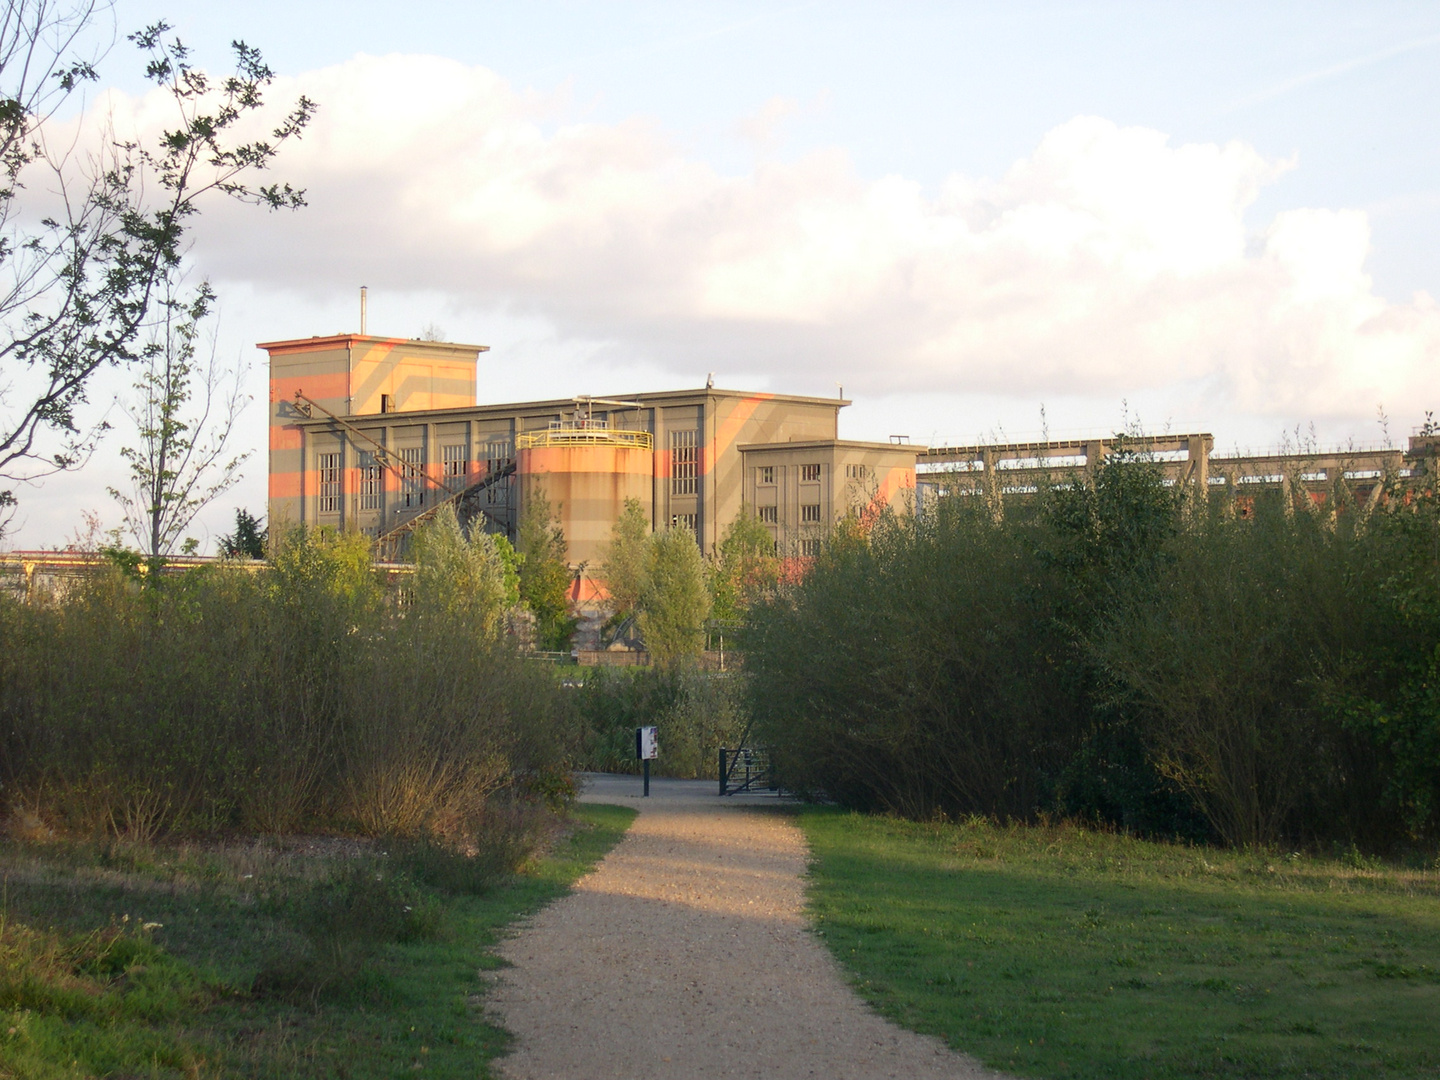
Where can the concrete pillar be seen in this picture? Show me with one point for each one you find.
(1094, 455)
(1197, 453)
(994, 498)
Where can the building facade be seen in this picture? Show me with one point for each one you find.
(374, 433)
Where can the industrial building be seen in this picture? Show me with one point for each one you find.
(376, 433)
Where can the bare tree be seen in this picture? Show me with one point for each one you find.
(184, 413)
(84, 255)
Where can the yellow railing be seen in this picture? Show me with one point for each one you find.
(584, 436)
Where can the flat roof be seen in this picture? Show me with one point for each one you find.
(342, 340)
(647, 399)
(820, 444)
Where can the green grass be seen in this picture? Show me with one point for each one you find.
(89, 986)
(1061, 952)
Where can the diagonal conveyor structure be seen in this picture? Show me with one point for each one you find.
(687, 954)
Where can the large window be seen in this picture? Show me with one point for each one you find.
(498, 454)
(683, 521)
(810, 513)
(809, 472)
(855, 472)
(682, 462)
(766, 474)
(372, 489)
(455, 460)
(413, 490)
(770, 515)
(809, 549)
(329, 483)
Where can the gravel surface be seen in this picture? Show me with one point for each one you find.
(687, 954)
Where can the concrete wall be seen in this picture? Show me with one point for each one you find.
(856, 478)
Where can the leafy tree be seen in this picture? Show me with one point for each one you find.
(87, 256)
(318, 567)
(744, 568)
(625, 556)
(248, 540)
(674, 598)
(545, 572)
(184, 419)
(472, 579)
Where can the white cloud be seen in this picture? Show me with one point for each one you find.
(1107, 262)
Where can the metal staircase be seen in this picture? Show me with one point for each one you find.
(389, 547)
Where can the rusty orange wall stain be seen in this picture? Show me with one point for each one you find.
(728, 431)
(320, 386)
(584, 459)
(896, 480)
(285, 485)
(286, 437)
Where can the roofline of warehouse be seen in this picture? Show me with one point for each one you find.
(648, 399)
(821, 444)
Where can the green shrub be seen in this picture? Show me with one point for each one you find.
(1115, 651)
(294, 697)
(697, 713)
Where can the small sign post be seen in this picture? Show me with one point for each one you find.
(646, 747)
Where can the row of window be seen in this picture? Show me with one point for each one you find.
(684, 472)
(809, 514)
(455, 464)
(765, 474)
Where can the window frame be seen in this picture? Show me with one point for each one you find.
(412, 491)
(372, 481)
(454, 466)
(684, 462)
(330, 487)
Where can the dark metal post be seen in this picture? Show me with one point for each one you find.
(647, 778)
(722, 772)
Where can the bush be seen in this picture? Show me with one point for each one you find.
(1116, 652)
(697, 713)
(295, 697)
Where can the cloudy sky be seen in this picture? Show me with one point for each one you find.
(982, 220)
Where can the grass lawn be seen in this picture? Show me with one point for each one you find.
(1060, 952)
(141, 961)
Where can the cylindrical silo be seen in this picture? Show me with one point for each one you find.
(586, 475)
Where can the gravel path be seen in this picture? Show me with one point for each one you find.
(686, 954)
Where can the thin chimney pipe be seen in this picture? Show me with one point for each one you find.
(363, 298)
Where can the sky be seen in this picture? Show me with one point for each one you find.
(982, 221)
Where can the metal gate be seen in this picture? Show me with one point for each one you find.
(746, 769)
